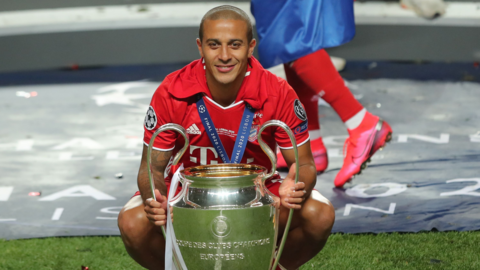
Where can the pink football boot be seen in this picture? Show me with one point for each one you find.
(319, 156)
(372, 134)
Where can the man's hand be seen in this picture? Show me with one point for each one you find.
(157, 210)
(292, 195)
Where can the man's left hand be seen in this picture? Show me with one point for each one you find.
(292, 195)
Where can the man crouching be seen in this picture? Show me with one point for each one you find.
(226, 79)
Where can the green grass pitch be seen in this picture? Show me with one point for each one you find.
(430, 250)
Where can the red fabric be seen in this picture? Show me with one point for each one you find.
(273, 187)
(175, 102)
(174, 168)
(315, 74)
(307, 96)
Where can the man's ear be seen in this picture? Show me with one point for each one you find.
(251, 47)
(199, 45)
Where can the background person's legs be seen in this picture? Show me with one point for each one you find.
(320, 78)
(314, 76)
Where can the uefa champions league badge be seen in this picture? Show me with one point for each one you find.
(299, 110)
(150, 119)
(220, 226)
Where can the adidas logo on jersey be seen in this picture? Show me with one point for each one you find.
(193, 129)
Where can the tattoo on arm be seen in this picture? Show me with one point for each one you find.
(307, 172)
(160, 161)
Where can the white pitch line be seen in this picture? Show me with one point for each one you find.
(57, 214)
(5, 193)
(25, 145)
(7, 219)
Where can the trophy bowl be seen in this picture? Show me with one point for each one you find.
(225, 218)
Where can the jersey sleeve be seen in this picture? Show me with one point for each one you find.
(291, 112)
(158, 114)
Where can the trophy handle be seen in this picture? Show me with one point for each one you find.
(273, 159)
(268, 151)
(177, 157)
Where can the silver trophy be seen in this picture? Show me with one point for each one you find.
(224, 216)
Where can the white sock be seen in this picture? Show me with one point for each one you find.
(355, 121)
(314, 134)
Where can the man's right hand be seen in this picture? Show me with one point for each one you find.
(157, 210)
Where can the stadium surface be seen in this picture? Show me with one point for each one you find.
(71, 141)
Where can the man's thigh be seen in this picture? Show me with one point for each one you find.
(134, 224)
(134, 202)
(316, 211)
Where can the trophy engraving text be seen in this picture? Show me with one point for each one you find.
(223, 245)
(217, 257)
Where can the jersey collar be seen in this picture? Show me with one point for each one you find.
(191, 80)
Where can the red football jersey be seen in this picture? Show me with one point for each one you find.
(270, 96)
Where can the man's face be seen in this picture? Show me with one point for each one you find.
(225, 49)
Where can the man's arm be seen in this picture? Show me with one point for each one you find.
(307, 175)
(160, 161)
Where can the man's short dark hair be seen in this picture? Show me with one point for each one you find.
(227, 12)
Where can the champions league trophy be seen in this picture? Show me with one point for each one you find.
(225, 217)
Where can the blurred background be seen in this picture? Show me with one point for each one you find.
(52, 34)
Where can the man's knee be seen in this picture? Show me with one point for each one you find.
(318, 218)
(133, 226)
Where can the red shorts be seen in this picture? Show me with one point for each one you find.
(272, 184)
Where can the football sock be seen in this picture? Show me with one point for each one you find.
(356, 120)
(314, 134)
(314, 76)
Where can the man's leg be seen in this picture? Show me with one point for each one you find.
(368, 133)
(309, 230)
(143, 241)
(318, 74)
